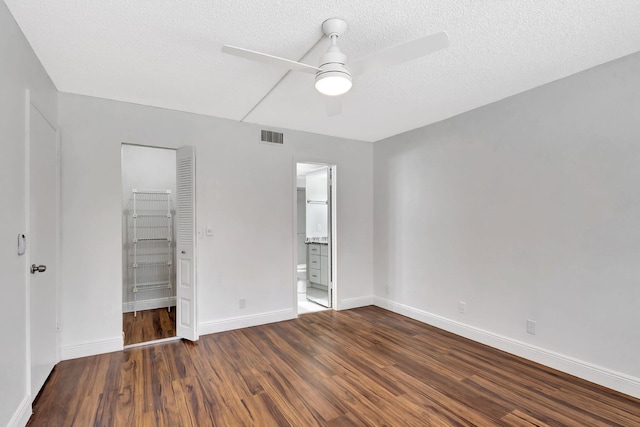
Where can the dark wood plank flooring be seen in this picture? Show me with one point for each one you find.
(149, 325)
(361, 367)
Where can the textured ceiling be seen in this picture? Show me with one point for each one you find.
(167, 54)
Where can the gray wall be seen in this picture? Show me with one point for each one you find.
(19, 70)
(245, 191)
(528, 208)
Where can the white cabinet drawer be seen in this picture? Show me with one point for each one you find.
(318, 263)
(314, 261)
(314, 275)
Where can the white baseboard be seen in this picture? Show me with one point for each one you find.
(205, 328)
(347, 304)
(597, 374)
(91, 348)
(150, 304)
(21, 417)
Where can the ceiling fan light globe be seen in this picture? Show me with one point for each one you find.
(333, 83)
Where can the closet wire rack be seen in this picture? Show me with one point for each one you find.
(150, 230)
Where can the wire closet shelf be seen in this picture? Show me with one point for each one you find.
(151, 248)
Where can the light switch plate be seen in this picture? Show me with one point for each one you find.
(209, 230)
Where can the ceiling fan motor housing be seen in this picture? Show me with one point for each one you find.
(333, 61)
(333, 78)
(332, 70)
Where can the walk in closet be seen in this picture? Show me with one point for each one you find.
(148, 244)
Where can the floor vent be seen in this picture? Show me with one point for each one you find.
(272, 137)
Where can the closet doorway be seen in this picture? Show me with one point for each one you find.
(149, 249)
(315, 237)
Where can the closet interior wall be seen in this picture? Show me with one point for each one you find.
(148, 250)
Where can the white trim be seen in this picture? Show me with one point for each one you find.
(231, 323)
(59, 241)
(350, 303)
(294, 225)
(597, 374)
(146, 343)
(27, 209)
(92, 348)
(149, 304)
(333, 172)
(22, 414)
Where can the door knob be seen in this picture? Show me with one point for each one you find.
(38, 268)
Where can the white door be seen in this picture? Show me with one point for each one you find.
(318, 227)
(186, 322)
(42, 245)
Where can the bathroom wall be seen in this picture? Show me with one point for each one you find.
(144, 168)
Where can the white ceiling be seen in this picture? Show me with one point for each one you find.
(167, 54)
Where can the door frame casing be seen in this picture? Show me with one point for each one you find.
(32, 100)
(332, 220)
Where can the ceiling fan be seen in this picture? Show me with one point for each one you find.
(333, 76)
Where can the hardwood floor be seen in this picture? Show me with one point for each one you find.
(149, 325)
(361, 367)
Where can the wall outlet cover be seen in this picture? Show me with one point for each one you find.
(531, 327)
(462, 307)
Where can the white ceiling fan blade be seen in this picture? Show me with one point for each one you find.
(333, 104)
(401, 53)
(269, 59)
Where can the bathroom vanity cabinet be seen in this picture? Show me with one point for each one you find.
(318, 263)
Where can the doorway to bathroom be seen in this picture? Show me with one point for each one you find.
(315, 240)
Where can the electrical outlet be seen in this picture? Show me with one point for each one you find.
(209, 230)
(242, 303)
(462, 307)
(531, 327)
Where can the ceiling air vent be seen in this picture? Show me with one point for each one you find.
(271, 137)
